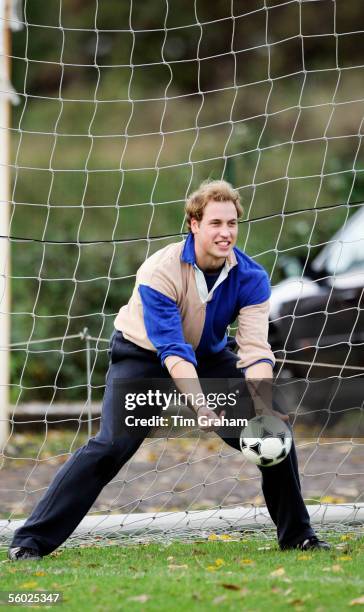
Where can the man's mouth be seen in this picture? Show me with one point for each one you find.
(223, 243)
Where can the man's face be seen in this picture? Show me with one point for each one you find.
(216, 233)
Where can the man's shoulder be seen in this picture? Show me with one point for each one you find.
(253, 280)
(247, 265)
(166, 260)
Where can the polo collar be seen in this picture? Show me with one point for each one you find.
(188, 252)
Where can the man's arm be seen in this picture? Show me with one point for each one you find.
(256, 357)
(259, 377)
(163, 325)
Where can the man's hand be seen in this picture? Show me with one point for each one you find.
(279, 415)
(185, 377)
(208, 420)
(259, 380)
(264, 407)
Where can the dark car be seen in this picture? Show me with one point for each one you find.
(317, 314)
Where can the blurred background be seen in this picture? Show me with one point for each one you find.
(124, 108)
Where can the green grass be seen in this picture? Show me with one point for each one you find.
(252, 574)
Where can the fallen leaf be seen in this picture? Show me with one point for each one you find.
(280, 571)
(219, 562)
(170, 558)
(332, 499)
(296, 602)
(218, 600)
(345, 558)
(304, 557)
(246, 562)
(29, 585)
(336, 568)
(139, 598)
(231, 587)
(39, 573)
(213, 537)
(177, 567)
(357, 602)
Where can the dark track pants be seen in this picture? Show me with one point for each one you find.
(80, 480)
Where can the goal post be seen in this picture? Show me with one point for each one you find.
(122, 113)
(8, 22)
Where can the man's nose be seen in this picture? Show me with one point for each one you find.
(224, 231)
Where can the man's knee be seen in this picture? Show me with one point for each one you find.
(112, 454)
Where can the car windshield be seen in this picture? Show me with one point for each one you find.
(346, 253)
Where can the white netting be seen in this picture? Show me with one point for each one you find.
(123, 111)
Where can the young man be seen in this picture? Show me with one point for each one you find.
(174, 324)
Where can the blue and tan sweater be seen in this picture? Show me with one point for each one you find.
(171, 311)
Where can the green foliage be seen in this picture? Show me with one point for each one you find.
(107, 153)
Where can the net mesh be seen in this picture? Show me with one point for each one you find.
(122, 112)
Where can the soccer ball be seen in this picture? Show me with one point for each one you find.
(266, 440)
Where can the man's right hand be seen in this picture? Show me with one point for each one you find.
(208, 420)
(262, 409)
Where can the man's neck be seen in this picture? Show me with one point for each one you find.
(209, 264)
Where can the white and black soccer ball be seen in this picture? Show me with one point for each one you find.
(266, 440)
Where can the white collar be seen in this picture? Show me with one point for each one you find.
(204, 293)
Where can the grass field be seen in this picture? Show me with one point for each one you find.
(250, 574)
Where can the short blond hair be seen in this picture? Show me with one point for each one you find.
(216, 191)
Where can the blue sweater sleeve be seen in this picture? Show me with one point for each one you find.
(259, 361)
(163, 324)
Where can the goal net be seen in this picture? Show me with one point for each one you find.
(123, 109)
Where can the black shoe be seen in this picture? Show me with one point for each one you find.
(21, 553)
(313, 543)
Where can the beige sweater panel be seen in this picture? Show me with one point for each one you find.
(165, 272)
(252, 335)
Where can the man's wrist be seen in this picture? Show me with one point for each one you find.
(197, 409)
(262, 406)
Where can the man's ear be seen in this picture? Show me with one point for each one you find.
(194, 225)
